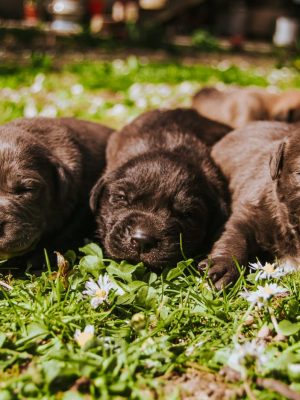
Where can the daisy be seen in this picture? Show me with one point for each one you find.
(241, 354)
(99, 291)
(263, 293)
(270, 270)
(83, 337)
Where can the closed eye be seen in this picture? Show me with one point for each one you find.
(26, 187)
(119, 198)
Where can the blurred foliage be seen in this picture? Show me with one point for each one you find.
(204, 41)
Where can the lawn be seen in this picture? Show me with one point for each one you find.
(95, 329)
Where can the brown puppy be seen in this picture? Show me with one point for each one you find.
(160, 183)
(262, 164)
(239, 106)
(48, 167)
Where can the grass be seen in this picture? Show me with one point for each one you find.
(162, 323)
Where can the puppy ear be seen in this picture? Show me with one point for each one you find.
(276, 161)
(283, 115)
(96, 193)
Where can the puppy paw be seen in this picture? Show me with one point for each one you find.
(221, 271)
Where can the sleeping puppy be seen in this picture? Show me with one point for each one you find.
(262, 165)
(160, 183)
(238, 106)
(48, 167)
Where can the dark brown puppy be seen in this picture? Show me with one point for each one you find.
(48, 167)
(262, 164)
(238, 106)
(160, 182)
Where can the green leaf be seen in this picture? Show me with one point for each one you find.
(70, 255)
(288, 328)
(152, 278)
(126, 298)
(294, 371)
(177, 271)
(135, 285)
(52, 369)
(72, 395)
(146, 297)
(123, 270)
(91, 264)
(92, 249)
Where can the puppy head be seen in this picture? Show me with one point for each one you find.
(287, 107)
(29, 181)
(143, 208)
(285, 171)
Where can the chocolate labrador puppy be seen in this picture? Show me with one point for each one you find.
(160, 183)
(262, 165)
(238, 106)
(48, 167)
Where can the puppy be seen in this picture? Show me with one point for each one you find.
(239, 106)
(160, 183)
(262, 165)
(48, 167)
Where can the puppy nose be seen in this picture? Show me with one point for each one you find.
(142, 239)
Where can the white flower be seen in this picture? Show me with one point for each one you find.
(289, 264)
(164, 90)
(38, 83)
(96, 104)
(77, 89)
(30, 110)
(117, 110)
(99, 291)
(141, 102)
(63, 103)
(190, 349)
(83, 337)
(49, 111)
(186, 88)
(241, 353)
(269, 270)
(136, 91)
(263, 293)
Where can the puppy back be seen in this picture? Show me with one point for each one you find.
(244, 154)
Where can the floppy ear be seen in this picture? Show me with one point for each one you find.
(284, 115)
(276, 161)
(96, 193)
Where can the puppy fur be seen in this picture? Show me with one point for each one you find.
(238, 106)
(262, 165)
(48, 167)
(160, 183)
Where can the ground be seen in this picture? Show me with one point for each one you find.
(136, 334)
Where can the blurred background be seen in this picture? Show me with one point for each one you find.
(177, 20)
(110, 60)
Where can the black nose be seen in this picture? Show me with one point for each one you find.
(142, 239)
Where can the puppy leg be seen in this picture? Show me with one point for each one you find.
(234, 244)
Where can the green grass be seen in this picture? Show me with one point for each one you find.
(163, 323)
(116, 91)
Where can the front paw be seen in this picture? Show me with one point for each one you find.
(221, 270)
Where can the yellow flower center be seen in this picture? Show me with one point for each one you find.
(268, 290)
(269, 268)
(101, 293)
(83, 338)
